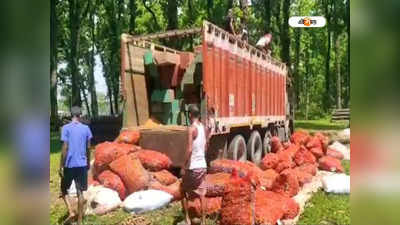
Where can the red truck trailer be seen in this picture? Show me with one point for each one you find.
(240, 90)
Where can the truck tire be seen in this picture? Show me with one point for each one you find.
(267, 142)
(255, 147)
(237, 149)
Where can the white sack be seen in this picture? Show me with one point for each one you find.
(101, 200)
(72, 190)
(341, 148)
(336, 183)
(143, 201)
(344, 135)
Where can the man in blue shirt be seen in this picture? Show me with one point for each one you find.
(75, 160)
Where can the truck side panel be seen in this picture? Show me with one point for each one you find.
(240, 83)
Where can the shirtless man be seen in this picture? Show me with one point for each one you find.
(195, 168)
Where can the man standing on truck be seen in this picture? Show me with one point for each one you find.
(75, 161)
(195, 167)
(264, 43)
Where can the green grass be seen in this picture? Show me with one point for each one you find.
(324, 124)
(327, 208)
(323, 208)
(171, 214)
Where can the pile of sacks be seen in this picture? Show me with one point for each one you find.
(126, 168)
(263, 195)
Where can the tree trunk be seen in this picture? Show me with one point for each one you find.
(307, 79)
(209, 7)
(75, 17)
(267, 8)
(276, 32)
(53, 62)
(91, 81)
(85, 99)
(108, 83)
(285, 39)
(74, 23)
(296, 82)
(348, 53)
(338, 79)
(328, 58)
(172, 19)
(132, 18)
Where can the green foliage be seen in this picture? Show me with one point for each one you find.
(312, 68)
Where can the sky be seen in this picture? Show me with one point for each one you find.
(100, 82)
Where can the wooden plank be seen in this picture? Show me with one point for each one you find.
(171, 142)
(134, 59)
(141, 98)
(166, 34)
(130, 114)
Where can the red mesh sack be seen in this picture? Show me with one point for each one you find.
(270, 161)
(92, 181)
(111, 180)
(153, 160)
(129, 137)
(285, 160)
(303, 156)
(286, 145)
(300, 137)
(215, 184)
(289, 207)
(323, 139)
(107, 152)
(317, 152)
(164, 177)
(286, 183)
(276, 144)
(291, 150)
(173, 189)
(268, 178)
(314, 142)
(268, 210)
(329, 163)
(211, 206)
(227, 166)
(309, 168)
(131, 172)
(302, 177)
(238, 202)
(334, 153)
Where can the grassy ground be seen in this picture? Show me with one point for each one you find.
(324, 124)
(321, 209)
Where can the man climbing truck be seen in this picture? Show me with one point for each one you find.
(240, 91)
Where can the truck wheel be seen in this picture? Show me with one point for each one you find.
(267, 142)
(237, 149)
(255, 147)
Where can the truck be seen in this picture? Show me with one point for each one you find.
(240, 91)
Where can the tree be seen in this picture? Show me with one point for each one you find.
(132, 16)
(75, 16)
(53, 61)
(91, 81)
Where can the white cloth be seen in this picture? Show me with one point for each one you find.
(198, 159)
(101, 200)
(336, 183)
(148, 200)
(263, 41)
